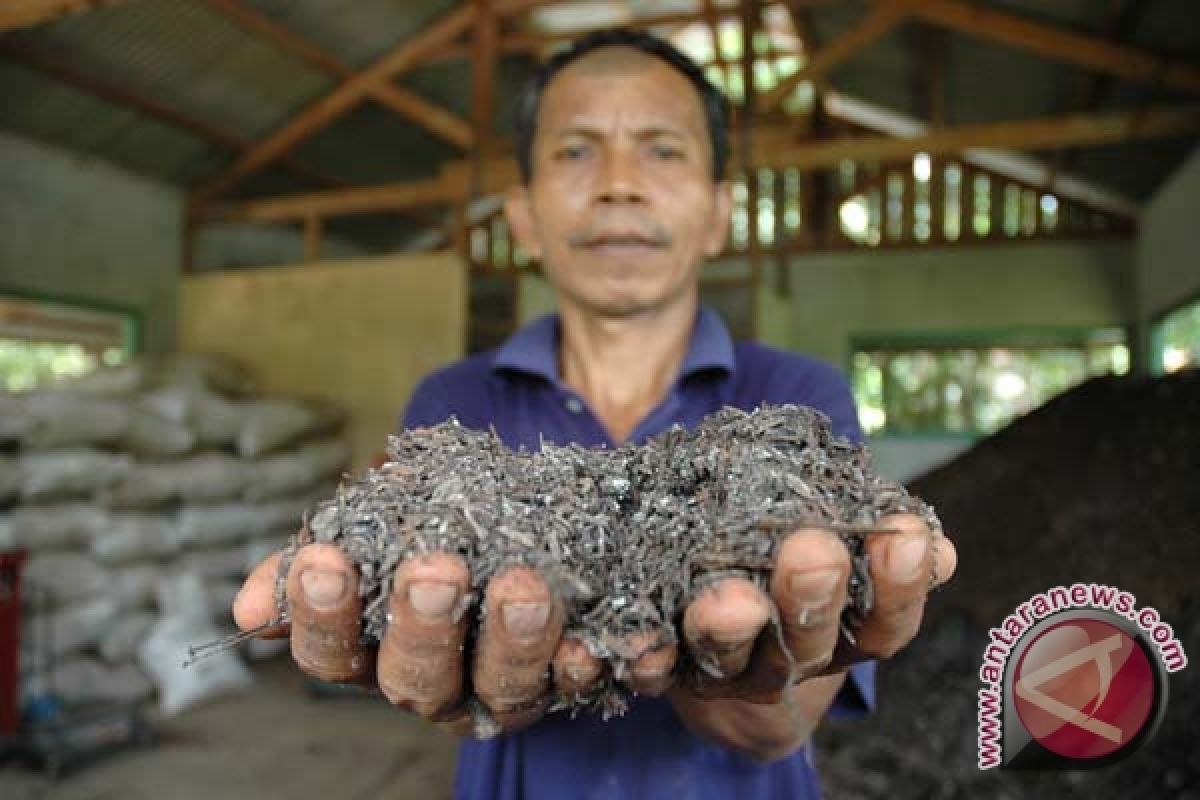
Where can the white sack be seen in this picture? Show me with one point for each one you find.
(69, 473)
(152, 436)
(40, 528)
(123, 639)
(60, 419)
(135, 537)
(82, 680)
(69, 629)
(296, 471)
(185, 623)
(64, 577)
(216, 526)
(132, 586)
(10, 478)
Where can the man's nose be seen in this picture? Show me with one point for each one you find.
(620, 180)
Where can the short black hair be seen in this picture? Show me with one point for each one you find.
(714, 102)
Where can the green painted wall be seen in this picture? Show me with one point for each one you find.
(836, 296)
(79, 229)
(1168, 260)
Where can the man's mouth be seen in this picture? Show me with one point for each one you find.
(621, 243)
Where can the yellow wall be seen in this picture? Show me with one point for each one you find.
(359, 333)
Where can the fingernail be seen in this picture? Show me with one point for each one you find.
(525, 619)
(815, 587)
(431, 599)
(323, 589)
(814, 595)
(906, 556)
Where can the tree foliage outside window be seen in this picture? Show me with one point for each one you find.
(26, 365)
(1178, 339)
(972, 389)
(44, 341)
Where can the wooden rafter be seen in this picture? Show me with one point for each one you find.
(1077, 130)
(1058, 44)
(410, 105)
(337, 102)
(483, 73)
(154, 109)
(16, 14)
(883, 17)
(344, 202)
(772, 148)
(927, 47)
(348, 94)
(1120, 20)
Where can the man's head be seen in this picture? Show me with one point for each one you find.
(622, 143)
(713, 102)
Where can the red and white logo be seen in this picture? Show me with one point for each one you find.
(1084, 688)
(1076, 677)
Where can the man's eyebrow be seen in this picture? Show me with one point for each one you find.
(649, 132)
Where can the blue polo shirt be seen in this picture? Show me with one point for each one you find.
(516, 389)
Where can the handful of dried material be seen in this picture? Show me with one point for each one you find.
(625, 537)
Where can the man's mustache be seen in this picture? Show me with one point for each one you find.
(639, 232)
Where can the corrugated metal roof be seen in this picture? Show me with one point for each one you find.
(184, 55)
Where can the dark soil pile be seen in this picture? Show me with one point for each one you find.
(626, 536)
(1101, 484)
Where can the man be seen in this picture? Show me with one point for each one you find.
(623, 145)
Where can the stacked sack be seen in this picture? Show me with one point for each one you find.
(143, 494)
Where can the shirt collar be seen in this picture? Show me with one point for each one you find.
(534, 348)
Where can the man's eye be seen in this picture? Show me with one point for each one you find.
(667, 152)
(572, 152)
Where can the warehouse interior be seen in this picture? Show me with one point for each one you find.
(289, 212)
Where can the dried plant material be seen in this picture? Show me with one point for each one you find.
(624, 537)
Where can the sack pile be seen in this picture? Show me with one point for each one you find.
(143, 494)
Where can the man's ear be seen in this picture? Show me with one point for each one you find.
(518, 209)
(718, 229)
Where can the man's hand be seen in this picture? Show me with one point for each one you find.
(726, 623)
(420, 666)
(747, 708)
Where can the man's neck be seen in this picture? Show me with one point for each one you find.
(624, 367)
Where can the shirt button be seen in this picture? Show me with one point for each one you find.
(574, 405)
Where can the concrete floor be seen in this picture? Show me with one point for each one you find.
(276, 741)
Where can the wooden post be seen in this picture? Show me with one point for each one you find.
(312, 238)
(750, 22)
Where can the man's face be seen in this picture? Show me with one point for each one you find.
(622, 209)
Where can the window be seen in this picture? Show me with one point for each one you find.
(964, 387)
(1177, 339)
(43, 340)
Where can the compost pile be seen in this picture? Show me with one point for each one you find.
(1100, 484)
(625, 537)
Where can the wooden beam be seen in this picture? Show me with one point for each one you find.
(312, 238)
(885, 15)
(349, 93)
(343, 202)
(773, 148)
(153, 109)
(1076, 130)
(410, 105)
(485, 50)
(1058, 44)
(16, 14)
(927, 51)
(339, 101)
(1120, 22)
